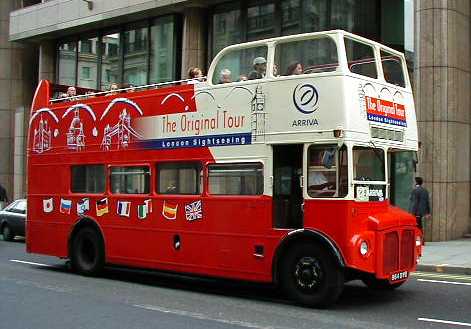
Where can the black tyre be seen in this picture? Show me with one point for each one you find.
(7, 233)
(311, 276)
(377, 284)
(87, 254)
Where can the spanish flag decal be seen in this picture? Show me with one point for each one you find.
(169, 210)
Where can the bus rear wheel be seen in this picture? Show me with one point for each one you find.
(87, 252)
(310, 276)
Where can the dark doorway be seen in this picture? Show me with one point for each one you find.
(287, 192)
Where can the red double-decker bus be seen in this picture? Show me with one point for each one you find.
(270, 170)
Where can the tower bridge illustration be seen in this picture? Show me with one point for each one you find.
(42, 137)
(121, 131)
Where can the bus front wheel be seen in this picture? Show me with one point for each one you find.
(87, 252)
(310, 275)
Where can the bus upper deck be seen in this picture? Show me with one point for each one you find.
(342, 85)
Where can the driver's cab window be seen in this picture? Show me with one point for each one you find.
(305, 56)
(241, 65)
(327, 171)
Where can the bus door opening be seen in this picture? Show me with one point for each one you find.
(287, 191)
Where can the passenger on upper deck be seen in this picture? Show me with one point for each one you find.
(113, 89)
(70, 94)
(196, 74)
(295, 68)
(225, 76)
(259, 68)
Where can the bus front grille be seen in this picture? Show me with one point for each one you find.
(407, 249)
(391, 252)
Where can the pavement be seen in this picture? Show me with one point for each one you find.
(452, 257)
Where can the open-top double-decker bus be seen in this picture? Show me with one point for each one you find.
(262, 172)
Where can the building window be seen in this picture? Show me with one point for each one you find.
(179, 178)
(67, 58)
(88, 179)
(110, 60)
(163, 45)
(226, 27)
(236, 179)
(132, 54)
(130, 180)
(88, 63)
(247, 20)
(135, 56)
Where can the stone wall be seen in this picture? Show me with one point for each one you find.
(443, 82)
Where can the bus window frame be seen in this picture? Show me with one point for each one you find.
(106, 190)
(109, 189)
(202, 179)
(349, 164)
(275, 44)
(264, 179)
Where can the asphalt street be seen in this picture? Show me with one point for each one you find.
(40, 292)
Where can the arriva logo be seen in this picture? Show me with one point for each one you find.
(305, 98)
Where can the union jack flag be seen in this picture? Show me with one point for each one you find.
(194, 211)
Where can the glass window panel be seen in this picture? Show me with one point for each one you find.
(88, 179)
(110, 50)
(306, 56)
(162, 50)
(130, 180)
(368, 164)
(327, 169)
(361, 59)
(226, 28)
(88, 63)
(67, 59)
(260, 21)
(236, 179)
(239, 65)
(135, 56)
(392, 69)
(179, 178)
(290, 14)
(314, 15)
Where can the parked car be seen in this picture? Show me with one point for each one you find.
(12, 219)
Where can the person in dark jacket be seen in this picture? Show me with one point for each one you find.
(419, 202)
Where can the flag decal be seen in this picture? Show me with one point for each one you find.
(102, 207)
(194, 211)
(169, 210)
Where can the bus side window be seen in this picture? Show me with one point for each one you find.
(392, 69)
(361, 58)
(130, 180)
(240, 65)
(179, 178)
(88, 179)
(236, 179)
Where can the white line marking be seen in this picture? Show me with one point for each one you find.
(200, 316)
(446, 282)
(463, 324)
(30, 263)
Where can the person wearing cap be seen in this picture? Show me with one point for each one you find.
(259, 68)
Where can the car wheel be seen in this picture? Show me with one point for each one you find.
(311, 276)
(377, 284)
(7, 233)
(87, 252)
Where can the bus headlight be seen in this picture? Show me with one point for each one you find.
(363, 248)
(418, 241)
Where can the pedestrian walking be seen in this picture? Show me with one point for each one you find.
(419, 202)
(3, 197)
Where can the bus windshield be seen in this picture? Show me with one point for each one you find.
(368, 164)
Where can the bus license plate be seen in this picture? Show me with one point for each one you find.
(399, 276)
